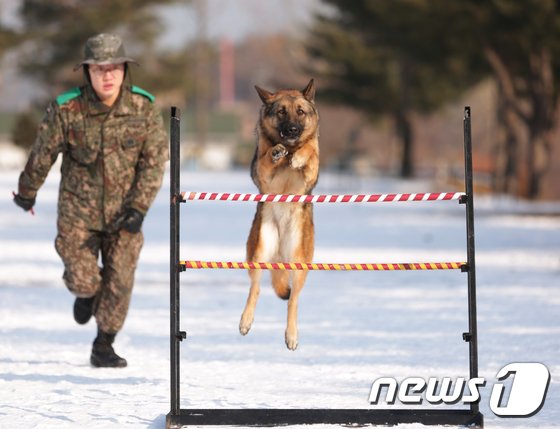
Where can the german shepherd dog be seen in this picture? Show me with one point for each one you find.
(286, 161)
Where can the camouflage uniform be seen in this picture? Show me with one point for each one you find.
(113, 159)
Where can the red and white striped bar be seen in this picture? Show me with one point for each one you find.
(279, 198)
(413, 266)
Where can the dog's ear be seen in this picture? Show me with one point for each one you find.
(309, 91)
(265, 95)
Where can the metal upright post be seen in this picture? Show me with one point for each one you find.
(175, 200)
(471, 336)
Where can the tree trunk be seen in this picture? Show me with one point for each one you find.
(536, 118)
(402, 119)
(541, 121)
(404, 131)
(506, 147)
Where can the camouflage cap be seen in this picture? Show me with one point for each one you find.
(104, 49)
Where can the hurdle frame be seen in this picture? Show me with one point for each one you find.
(177, 417)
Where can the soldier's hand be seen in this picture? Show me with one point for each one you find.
(132, 221)
(25, 203)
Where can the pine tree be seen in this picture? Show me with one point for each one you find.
(384, 58)
(399, 56)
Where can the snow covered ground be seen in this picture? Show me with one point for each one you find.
(354, 327)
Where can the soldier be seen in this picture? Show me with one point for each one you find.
(114, 150)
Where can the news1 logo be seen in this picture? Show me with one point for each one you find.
(523, 398)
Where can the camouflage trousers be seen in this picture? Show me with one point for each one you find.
(118, 252)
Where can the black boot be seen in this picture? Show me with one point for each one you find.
(83, 309)
(102, 353)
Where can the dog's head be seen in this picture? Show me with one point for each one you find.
(289, 116)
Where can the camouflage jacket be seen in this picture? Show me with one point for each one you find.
(112, 158)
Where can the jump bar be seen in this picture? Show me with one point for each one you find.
(359, 198)
(198, 265)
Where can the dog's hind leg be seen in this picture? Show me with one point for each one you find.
(262, 245)
(294, 250)
(291, 328)
(299, 246)
(249, 312)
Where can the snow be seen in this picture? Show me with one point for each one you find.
(354, 327)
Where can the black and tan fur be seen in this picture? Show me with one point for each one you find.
(286, 161)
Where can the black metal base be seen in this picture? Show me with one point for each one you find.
(285, 417)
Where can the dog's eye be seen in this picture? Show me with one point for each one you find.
(300, 112)
(282, 112)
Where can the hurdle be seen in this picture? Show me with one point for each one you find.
(178, 417)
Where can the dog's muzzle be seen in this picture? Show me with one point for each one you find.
(290, 131)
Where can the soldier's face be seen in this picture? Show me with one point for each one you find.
(106, 81)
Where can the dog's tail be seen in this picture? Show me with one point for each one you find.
(283, 293)
(281, 283)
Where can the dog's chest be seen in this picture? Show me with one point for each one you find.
(286, 180)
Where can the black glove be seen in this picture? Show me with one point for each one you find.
(132, 221)
(25, 203)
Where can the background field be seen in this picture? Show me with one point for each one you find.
(354, 327)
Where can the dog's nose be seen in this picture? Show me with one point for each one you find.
(290, 130)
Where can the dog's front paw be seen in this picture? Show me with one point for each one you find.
(298, 162)
(278, 152)
(291, 339)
